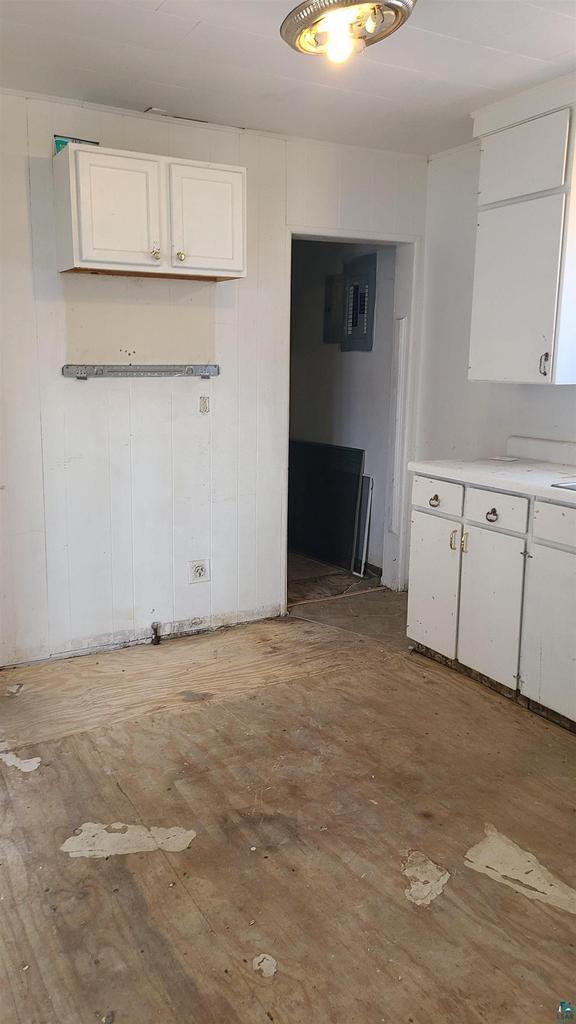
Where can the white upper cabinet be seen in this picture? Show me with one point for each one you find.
(132, 213)
(207, 214)
(524, 306)
(119, 208)
(518, 252)
(527, 158)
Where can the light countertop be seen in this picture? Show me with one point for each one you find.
(519, 476)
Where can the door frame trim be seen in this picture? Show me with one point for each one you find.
(408, 303)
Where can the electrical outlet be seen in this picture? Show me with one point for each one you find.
(199, 571)
(204, 404)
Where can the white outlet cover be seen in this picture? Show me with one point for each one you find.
(199, 571)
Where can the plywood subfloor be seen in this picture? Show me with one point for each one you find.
(309, 580)
(310, 761)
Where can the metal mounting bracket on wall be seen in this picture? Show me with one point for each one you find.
(82, 371)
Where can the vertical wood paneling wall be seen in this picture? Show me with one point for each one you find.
(110, 488)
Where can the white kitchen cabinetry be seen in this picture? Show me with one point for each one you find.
(548, 660)
(526, 158)
(493, 576)
(491, 603)
(133, 213)
(119, 208)
(206, 207)
(434, 573)
(518, 252)
(524, 302)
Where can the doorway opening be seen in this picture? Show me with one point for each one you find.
(347, 383)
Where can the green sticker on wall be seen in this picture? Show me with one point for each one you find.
(62, 140)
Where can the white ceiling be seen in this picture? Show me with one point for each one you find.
(223, 61)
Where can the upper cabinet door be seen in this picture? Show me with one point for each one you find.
(118, 208)
(528, 158)
(207, 218)
(518, 251)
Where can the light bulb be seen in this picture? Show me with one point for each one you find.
(340, 43)
(339, 48)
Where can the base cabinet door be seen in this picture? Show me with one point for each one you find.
(433, 590)
(548, 656)
(491, 604)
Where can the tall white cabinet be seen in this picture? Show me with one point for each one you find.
(135, 213)
(524, 301)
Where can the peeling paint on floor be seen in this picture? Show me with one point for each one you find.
(266, 964)
(93, 839)
(427, 879)
(503, 860)
(29, 764)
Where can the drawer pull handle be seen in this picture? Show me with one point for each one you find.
(434, 501)
(492, 515)
(453, 536)
(464, 543)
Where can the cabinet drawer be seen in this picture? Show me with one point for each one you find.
(438, 495)
(556, 523)
(502, 511)
(527, 158)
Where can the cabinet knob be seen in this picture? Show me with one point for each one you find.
(453, 537)
(181, 256)
(492, 515)
(464, 543)
(543, 365)
(434, 501)
(155, 252)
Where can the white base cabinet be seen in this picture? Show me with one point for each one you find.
(493, 587)
(491, 603)
(548, 661)
(434, 573)
(133, 213)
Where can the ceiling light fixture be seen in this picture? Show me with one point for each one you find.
(338, 28)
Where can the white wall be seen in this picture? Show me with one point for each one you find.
(459, 418)
(109, 488)
(342, 397)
